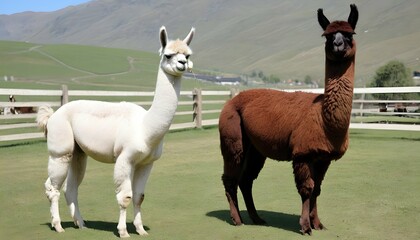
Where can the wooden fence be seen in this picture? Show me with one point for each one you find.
(195, 100)
(200, 102)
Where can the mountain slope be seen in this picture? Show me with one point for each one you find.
(277, 37)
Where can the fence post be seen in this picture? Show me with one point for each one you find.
(362, 105)
(197, 107)
(233, 92)
(64, 95)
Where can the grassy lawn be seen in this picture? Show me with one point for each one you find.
(371, 193)
(386, 119)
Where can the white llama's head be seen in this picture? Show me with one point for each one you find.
(175, 53)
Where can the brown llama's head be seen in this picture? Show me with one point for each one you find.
(339, 35)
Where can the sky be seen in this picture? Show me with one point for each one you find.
(16, 6)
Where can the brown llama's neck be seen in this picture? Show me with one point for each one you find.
(338, 95)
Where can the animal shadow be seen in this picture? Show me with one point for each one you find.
(99, 225)
(285, 221)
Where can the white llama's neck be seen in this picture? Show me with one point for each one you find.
(159, 117)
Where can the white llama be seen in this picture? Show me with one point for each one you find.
(121, 133)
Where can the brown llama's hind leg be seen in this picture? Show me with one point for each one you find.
(305, 186)
(231, 191)
(231, 146)
(232, 170)
(254, 162)
(320, 168)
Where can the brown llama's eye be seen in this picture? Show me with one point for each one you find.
(348, 35)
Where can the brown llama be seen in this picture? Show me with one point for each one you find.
(309, 129)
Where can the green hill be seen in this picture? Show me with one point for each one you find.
(44, 66)
(236, 36)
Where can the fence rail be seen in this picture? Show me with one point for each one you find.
(196, 99)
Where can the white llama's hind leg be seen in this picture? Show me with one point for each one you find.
(57, 172)
(123, 175)
(141, 175)
(74, 178)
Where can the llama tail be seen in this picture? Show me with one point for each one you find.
(44, 113)
(231, 135)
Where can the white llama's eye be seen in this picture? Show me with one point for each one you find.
(187, 56)
(168, 56)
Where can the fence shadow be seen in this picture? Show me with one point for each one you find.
(285, 221)
(100, 225)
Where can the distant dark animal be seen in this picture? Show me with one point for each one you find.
(20, 110)
(309, 129)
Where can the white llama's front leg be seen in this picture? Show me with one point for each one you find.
(123, 175)
(141, 175)
(57, 172)
(124, 196)
(74, 178)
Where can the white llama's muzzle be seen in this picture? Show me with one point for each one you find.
(180, 66)
(189, 66)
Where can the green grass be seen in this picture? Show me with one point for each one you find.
(386, 119)
(371, 193)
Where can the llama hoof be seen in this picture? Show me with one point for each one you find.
(319, 227)
(305, 227)
(59, 228)
(80, 224)
(307, 231)
(82, 227)
(239, 223)
(124, 234)
(142, 232)
(56, 225)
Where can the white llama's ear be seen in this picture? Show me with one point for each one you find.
(163, 38)
(189, 37)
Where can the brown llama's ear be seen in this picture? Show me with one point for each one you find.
(354, 16)
(322, 20)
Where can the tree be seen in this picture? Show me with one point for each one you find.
(392, 74)
(308, 80)
(261, 74)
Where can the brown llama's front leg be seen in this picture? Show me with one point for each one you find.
(320, 168)
(231, 191)
(313, 215)
(305, 186)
